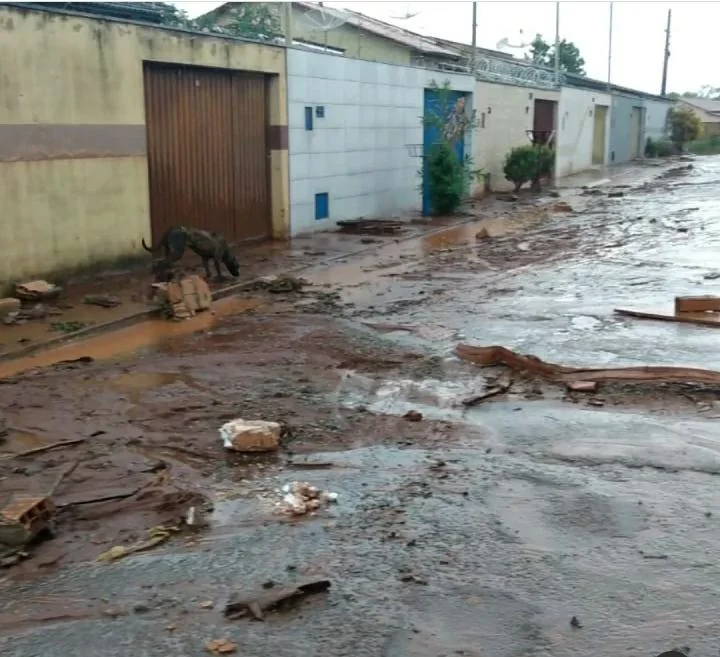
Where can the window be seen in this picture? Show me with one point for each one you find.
(308, 118)
(322, 206)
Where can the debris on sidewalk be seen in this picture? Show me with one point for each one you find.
(37, 291)
(8, 306)
(371, 226)
(23, 518)
(701, 304)
(184, 298)
(301, 498)
(676, 171)
(281, 284)
(562, 206)
(156, 536)
(251, 435)
(616, 194)
(221, 647)
(413, 416)
(497, 355)
(102, 300)
(274, 599)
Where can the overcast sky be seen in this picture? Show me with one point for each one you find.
(638, 33)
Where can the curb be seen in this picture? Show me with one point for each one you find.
(221, 293)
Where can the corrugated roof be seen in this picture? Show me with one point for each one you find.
(148, 12)
(391, 32)
(706, 104)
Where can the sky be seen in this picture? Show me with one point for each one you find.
(638, 34)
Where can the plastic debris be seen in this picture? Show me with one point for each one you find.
(301, 498)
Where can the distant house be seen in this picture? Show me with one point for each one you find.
(346, 32)
(708, 110)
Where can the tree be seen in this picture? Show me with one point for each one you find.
(685, 126)
(249, 20)
(542, 53)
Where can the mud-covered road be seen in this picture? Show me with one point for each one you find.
(478, 531)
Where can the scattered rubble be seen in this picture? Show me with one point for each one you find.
(156, 536)
(37, 291)
(273, 599)
(221, 647)
(8, 306)
(301, 498)
(499, 389)
(371, 226)
(413, 416)
(251, 435)
(184, 298)
(23, 518)
(102, 300)
(562, 206)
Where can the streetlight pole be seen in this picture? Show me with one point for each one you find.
(557, 43)
(663, 88)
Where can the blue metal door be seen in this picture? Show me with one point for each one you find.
(437, 104)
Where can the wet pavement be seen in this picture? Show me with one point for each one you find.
(474, 531)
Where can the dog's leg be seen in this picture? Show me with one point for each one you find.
(220, 275)
(206, 264)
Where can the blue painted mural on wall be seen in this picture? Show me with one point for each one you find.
(451, 105)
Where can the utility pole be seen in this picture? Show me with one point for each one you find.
(557, 43)
(610, 47)
(663, 88)
(473, 57)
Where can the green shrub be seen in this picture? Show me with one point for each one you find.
(659, 148)
(685, 126)
(528, 164)
(447, 177)
(708, 146)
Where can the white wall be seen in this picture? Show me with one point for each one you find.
(575, 129)
(656, 118)
(357, 153)
(509, 113)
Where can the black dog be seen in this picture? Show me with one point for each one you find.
(208, 245)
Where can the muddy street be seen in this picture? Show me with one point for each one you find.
(459, 529)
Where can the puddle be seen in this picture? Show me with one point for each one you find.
(125, 341)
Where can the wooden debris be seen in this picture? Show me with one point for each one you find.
(701, 304)
(272, 599)
(701, 319)
(23, 517)
(45, 448)
(491, 392)
(184, 298)
(497, 355)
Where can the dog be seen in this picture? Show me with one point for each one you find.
(208, 245)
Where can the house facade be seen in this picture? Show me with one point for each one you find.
(112, 131)
(707, 110)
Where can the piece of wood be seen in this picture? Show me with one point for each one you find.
(492, 392)
(701, 319)
(272, 600)
(45, 448)
(497, 355)
(65, 473)
(700, 304)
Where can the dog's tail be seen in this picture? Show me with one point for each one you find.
(150, 249)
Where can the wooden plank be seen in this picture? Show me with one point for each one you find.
(702, 319)
(701, 304)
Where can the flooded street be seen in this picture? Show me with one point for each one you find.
(459, 529)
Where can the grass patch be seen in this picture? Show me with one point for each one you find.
(707, 146)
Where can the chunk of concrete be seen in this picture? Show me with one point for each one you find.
(250, 435)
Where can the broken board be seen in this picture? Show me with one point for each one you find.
(699, 318)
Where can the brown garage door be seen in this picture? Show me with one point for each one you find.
(207, 150)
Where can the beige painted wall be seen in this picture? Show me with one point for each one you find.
(79, 210)
(504, 114)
